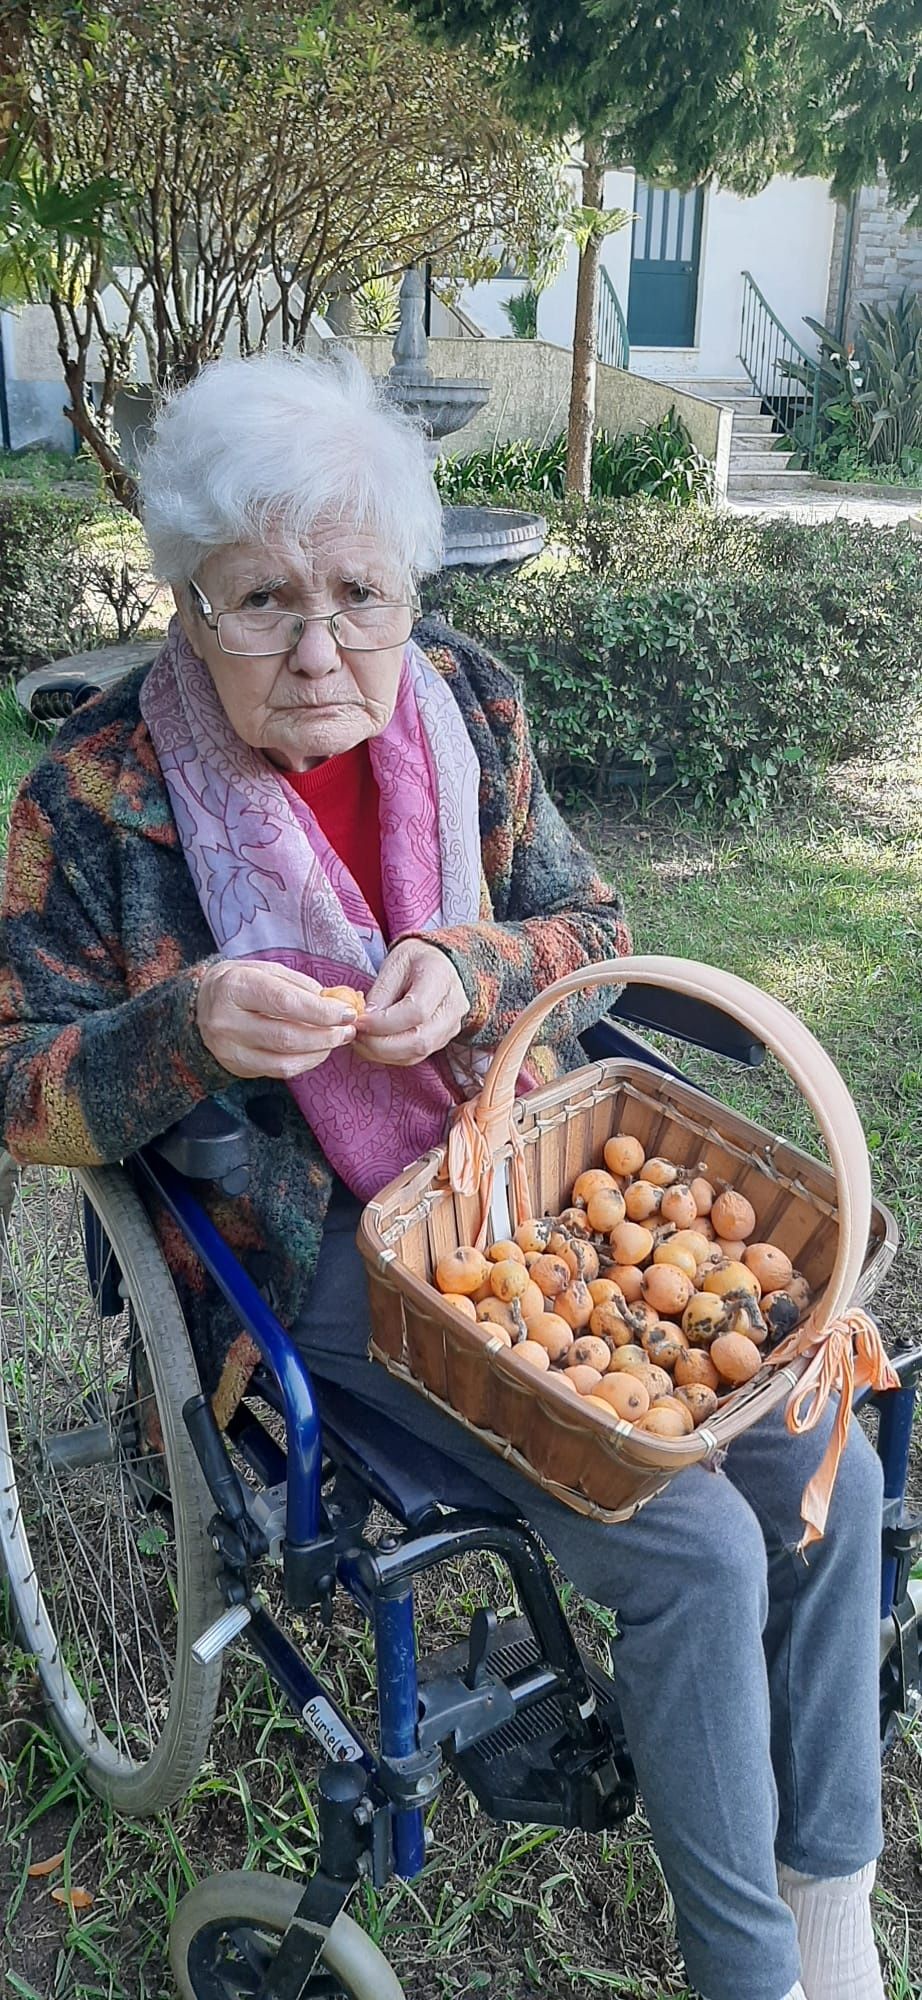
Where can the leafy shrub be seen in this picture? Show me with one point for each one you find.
(41, 577)
(521, 310)
(870, 393)
(661, 461)
(731, 680)
(41, 465)
(74, 573)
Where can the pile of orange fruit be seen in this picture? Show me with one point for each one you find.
(647, 1294)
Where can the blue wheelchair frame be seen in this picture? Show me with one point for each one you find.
(371, 1807)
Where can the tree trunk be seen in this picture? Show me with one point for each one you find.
(585, 344)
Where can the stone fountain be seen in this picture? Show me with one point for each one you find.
(476, 538)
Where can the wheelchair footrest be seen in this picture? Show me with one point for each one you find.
(530, 1768)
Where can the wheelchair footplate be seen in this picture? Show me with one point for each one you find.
(528, 1768)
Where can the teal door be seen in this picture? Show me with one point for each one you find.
(665, 250)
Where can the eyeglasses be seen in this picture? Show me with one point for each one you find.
(363, 628)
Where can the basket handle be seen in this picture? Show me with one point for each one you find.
(798, 1051)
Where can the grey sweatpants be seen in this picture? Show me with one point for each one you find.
(747, 1674)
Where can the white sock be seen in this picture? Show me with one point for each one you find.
(835, 1934)
(796, 1993)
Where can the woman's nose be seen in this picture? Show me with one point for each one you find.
(316, 652)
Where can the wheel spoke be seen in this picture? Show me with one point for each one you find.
(91, 1556)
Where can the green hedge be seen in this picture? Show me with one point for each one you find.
(41, 573)
(73, 572)
(727, 659)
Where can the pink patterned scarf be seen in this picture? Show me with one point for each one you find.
(272, 887)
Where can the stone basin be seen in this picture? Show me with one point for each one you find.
(491, 538)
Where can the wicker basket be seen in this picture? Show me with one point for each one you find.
(822, 1217)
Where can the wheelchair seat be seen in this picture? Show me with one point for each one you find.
(411, 1478)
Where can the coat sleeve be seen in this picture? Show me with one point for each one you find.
(88, 1072)
(556, 913)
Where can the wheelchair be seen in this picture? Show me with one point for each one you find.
(135, 1536)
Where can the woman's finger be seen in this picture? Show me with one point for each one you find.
(274, 994)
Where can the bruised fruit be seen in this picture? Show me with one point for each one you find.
(732, 1215)
(629, 1280)
(508, 1279)
(696, 1367)
(626, 1396)
(701, 1401)
(462, 1271)
(590, 1352)
(499, 1253)
(610, 1323)
(665, 1423)
(551, 1275)
(605, 1209)
(575, 1305)
(661, 1172)
(729, 1276)
(591, 1182)
(703, 1193)
(705, 1316)
(678, 1205)
(641, 1200)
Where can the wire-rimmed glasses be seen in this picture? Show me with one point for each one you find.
(258, 633)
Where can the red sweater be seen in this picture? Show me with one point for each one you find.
(343, 796)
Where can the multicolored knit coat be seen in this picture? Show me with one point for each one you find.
(103, 946)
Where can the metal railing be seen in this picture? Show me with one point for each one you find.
(614, 348)
(781, 371)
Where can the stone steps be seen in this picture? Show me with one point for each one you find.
(759, 462)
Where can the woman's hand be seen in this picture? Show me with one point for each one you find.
(264, 1020)
(415, 1007)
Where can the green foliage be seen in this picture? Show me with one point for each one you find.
(377, 305)
(660, 460)
(261, 156)
(42, 220)
(73, 573)
(687, 91)
(870, 393)
(41, 465)
(753, 657)
(521, 310)
(41, 583)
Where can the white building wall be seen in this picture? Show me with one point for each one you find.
(783, 236)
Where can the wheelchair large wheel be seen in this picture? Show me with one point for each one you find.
(103, 1510)
(226, 1932)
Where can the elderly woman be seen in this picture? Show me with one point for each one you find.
(299, 795)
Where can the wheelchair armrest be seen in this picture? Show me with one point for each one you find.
(693, 1021)
(209, 1144)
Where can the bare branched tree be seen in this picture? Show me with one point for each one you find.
(264, 159)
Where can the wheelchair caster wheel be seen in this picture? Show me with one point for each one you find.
(225, 1933)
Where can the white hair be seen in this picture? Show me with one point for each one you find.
(274, 443)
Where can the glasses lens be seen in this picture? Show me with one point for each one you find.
(369, 627)
(256, 632)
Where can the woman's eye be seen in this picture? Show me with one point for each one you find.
(259, 600)
(359, 593)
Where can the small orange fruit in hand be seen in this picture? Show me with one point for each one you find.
(348, 995)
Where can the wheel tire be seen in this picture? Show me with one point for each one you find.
(139, 1767)
(268, 1903)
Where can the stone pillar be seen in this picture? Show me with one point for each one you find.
(886, 256)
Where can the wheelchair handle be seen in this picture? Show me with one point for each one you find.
(798, 1051)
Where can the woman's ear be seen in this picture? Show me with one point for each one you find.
(185, 612)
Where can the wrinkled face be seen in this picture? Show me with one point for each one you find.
(318, 699)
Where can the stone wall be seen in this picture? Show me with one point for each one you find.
(886, 256)
(530, 394)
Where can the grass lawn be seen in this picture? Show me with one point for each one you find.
(826, 911)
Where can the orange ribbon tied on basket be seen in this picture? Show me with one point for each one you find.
(471, 1167)
(849, 1354)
